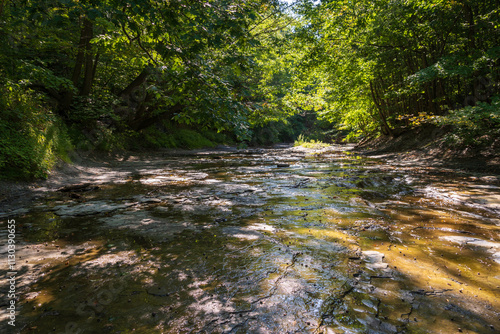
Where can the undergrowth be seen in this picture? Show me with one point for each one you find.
(309, 143)
(32, 138)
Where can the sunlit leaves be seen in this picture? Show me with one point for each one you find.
(389, 58)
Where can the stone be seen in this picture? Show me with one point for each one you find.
(90, 208)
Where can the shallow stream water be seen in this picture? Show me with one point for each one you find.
(285, 240)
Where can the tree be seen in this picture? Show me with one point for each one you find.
(391, 62)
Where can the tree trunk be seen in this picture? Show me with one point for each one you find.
(84, 42)
(85, 37)
(89, 62)
(133, 98)
(144, 121)
(385, 126)
(94, 70)
(471, 31)
(138, 81)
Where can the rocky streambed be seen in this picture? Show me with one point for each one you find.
(281, 240)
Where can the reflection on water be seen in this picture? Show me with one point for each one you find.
(264, 241)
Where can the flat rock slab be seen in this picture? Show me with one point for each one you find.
(242, 233)
(476, 196)
(143, 223)
(374, 260)
(489, 246)
(88, 209)
(147, 200)
(82, 187)
(14, 213)
(472, 241)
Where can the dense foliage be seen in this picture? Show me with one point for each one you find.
(112, 74)
(183, 73)
(388, 65)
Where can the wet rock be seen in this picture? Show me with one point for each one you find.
(159, 180)
(321, 245)
(237, 189)
(472, 241)
(489, 246)
(369, 303)
(373, 195)
(87, 209)
(374, 260)
(146, 200)
(143, 223)
(386, 327)
(196, 175)
(490, 179)
(369, 321)
(345, 184)
(242, 233)
(314, 224)
(478, 197)
(82, 187)
(496, 257)
(361, 184)
(158, 291)
(261, 227)
(290, 269)
(31, 295)
(430, 292)
(50, 313)
(14, 213)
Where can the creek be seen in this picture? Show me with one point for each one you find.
(279, 240)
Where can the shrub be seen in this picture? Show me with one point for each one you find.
(475, 125)
(155, 138)
(216, 137)
(191, 139)
(305, 142)
(31, 137)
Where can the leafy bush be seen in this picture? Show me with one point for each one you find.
(266, 134)
(191, 139)
(31, 137)
(273, 132)
(155, 138)
(96, 107)
(167, 135)
(309, 143)
(473, 125)
(217, 137)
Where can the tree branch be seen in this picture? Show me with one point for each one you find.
(138, 39)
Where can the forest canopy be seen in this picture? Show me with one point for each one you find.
(393, 64)
(130, 74)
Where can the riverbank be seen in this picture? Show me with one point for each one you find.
(426, 146)
(89, 167)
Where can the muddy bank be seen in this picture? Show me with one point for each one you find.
(279, 240)
(90, 168)
(425, 146)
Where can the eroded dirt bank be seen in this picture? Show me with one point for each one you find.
(280, 240)
(427, 146)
